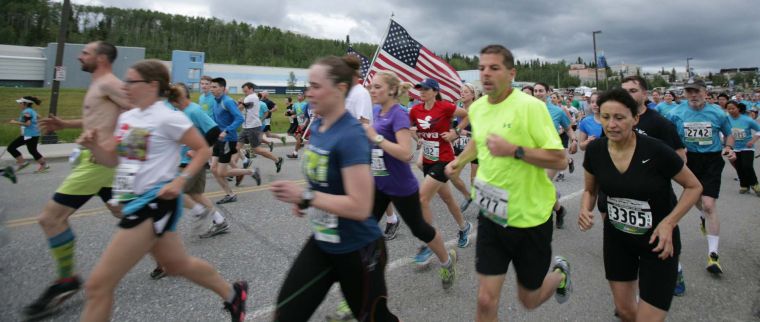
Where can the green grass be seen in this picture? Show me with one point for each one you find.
(70, 107)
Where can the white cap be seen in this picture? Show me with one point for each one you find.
(23, 100)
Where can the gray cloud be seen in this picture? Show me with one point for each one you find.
(654, 34)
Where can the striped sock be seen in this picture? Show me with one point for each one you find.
(62, 247)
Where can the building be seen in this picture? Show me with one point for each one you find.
(22, 66)
(625, 70)
(586, 75)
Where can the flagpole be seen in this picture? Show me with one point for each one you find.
(377, 51)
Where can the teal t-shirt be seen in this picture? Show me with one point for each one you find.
(700, 129)
(664, 108)
(742, 128)
(559, 117)
(31, 115)
(206, 102)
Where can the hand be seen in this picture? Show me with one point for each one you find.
(499, 147)
(589, 139)
(172, 190)
(450, 136)
(573, 147)
(371, 133)
(222, 136)
(663, 233)
(452, 169)
(585, 219)
(750, 144)
(464, 132)
(298, 212)
(286, 191)
(52, 123)
(11, 121)
(729, 153)
(88, 139)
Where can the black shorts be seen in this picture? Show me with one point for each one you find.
(530, 249)
(708, 168)
(267, 128)
(220, 147)
(164, 213)
(565, 139)
(251, 136)
(293, 127)
(629, 257)
(436, 171)
(212, 135)
(77, 201)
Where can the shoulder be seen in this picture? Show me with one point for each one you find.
(596, 146)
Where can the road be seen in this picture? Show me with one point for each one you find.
(265, 238)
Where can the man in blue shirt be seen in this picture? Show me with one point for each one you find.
(699, 125)
(206, 99)
(228, 117)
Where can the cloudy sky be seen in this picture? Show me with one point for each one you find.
(653, 34)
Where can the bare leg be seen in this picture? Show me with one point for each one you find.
(445, 193)
(532, 299)
(624, 295)
(489, 293)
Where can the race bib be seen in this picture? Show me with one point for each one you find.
(324, 225)
(629, 215)
(430, 150)
(492, 200)
(698, 132)
(739, 134)
(461, 142)
(378, 164)
(124, 182)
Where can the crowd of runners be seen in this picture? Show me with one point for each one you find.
(146, 147)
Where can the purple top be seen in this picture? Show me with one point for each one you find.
(392, 176)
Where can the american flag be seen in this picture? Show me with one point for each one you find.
(362, 58)
(412, 62)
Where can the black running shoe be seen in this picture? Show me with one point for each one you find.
(158, 273)
(256, 176)
(237, 306)
(9, 173)
(53, 297)
(292, 155)
(391, 230)
(278, 164)
(571, 166)
(560, 217)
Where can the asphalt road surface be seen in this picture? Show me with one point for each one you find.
(265, 238)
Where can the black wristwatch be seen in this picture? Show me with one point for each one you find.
(519, 153)
(306, 197)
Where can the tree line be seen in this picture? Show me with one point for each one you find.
(36, 23)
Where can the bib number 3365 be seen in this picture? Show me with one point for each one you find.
(492, 200)
(629, 215)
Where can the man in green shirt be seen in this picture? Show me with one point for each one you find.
(514, 140)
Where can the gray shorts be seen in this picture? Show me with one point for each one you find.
(195, 184)
(251, 136)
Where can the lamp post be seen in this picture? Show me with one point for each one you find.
(596, 62)
(688, 70)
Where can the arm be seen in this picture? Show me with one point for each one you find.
(469, 154)
(238, 118)
(664, 230)
(356, 204)
(116, 94)
(201, 153)
(105, 153)
(588, 201)
(402, 150)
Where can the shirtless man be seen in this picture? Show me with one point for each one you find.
(103, 103)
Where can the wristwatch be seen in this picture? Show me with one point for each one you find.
(379, 138)
(306, 197)
(519, 153)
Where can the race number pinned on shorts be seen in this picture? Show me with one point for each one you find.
(461, 142)
(492, 200)
(698, 132)
(324, 225)
(629, 215)
(430, 150)
(124, 182)
(378, 164)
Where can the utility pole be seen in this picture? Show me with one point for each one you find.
(59, 71)
(596, 62)
(688, 70)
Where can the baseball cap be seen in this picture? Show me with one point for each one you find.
(695, 84)
(429, 83)
(23, 100)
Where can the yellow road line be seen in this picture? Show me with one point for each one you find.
(89, 212)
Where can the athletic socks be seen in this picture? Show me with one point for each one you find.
(198, 209)
(447, 264)
(230, 297)
(680, 269)
(62, 248)
(218, 219)
(712, 244)
(392, 219)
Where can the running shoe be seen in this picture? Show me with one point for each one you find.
(42, 169)
(278, 164)
(391, 229)
(560, 217)
(422, 259)
(9, 173)
(464, 204)
(20, 167)
(680, 289)
(293, 155)
(158, 273)
(571, 166)
(53, 297)
(256, 176)
(216, 229)
(743, 190)
(560, 177)
(448, 274)
(565, 287)
(237, 306)
(464, 236)
(246, 163)
(342, 313)
(246, 154)
(702, 226)
(227, 199)
(199, 221)
(271, 146)
(713, 266)
(238, 180)
(756, 189)
(283, 139)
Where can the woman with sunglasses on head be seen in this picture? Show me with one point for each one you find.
(30, 135)
(145, 150)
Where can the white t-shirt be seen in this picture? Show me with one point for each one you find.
(149, 139)
(251, 112)
(358, 103)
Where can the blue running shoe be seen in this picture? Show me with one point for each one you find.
(464, 236)
(422, 259)
(680, 285)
